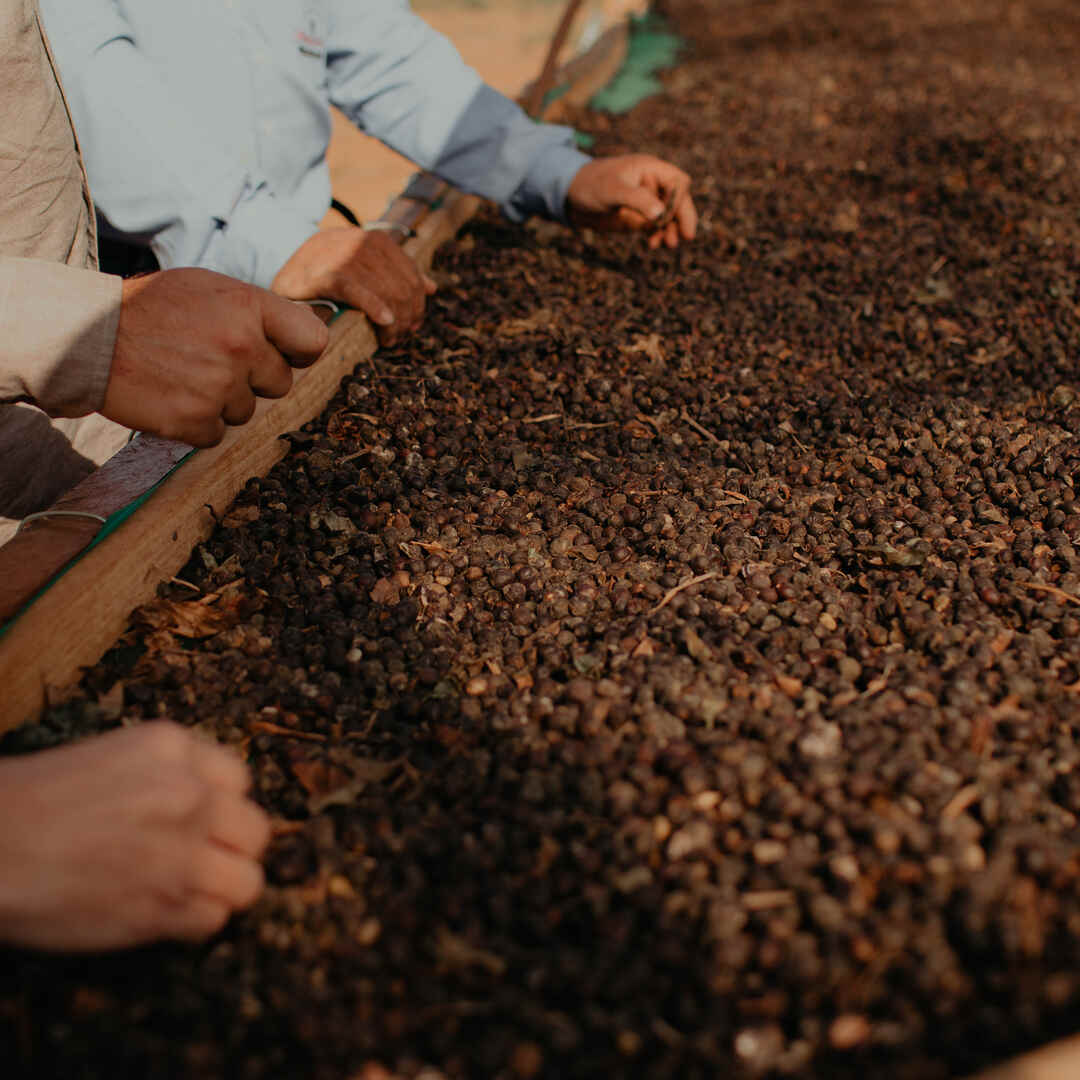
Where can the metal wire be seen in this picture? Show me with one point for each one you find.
(58, 513)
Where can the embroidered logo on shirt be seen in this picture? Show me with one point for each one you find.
(311, 39)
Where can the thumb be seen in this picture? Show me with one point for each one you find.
(297, 332)
(639, 199)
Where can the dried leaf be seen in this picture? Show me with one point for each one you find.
(695, 646)
(240, 515)
(1000, 350)
(453, 954)
(637, 430)
(1013, 448)
(992, 513)
(196, 619)
(333, 522)
(339, 778)
(318, 778)
(541, 319)
(645, 647)
(650, 345)
(385, 591)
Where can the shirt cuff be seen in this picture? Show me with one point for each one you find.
(59, 328)
(544, 189)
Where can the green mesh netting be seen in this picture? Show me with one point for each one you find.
(653, 47)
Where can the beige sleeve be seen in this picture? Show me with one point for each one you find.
(57, 331)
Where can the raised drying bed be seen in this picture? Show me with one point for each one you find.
(667, 665)
(52, 626)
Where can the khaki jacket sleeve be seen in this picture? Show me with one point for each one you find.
(57, 332)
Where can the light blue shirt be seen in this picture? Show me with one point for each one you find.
(205, 123)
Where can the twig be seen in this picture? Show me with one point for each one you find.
(1053, 590)
(798, 442)
(672, 593)
(265, 727)
(965, 797)
(667, 216)
(688, 419)
(764, 899)
(534, 104)
(185, 584)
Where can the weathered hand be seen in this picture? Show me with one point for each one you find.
(195, 348)
(367, 271)
(636, 193)
(130, 837)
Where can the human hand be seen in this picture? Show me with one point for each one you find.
(634, 193)
(195, 348)
(367, 271)
(126, 838)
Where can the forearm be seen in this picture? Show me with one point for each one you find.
(58, 327)
(383, 66)
(495, 150)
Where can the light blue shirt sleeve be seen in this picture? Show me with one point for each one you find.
(157, 174)
(402, 82)
(205, 123)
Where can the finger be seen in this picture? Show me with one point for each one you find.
(201, 434)
(296, 331)
(388, 271)
(195, 919)
(271, 376)
(402, 286)
(671, 235)
(240, 407)
(430, 287)
(686, 216)
(369, 302)
(237, 823)
(638, 198)
(228, 876)
(220, 768)
(391, 335)
(405, 298)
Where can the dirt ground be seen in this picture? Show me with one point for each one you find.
(505, 42)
